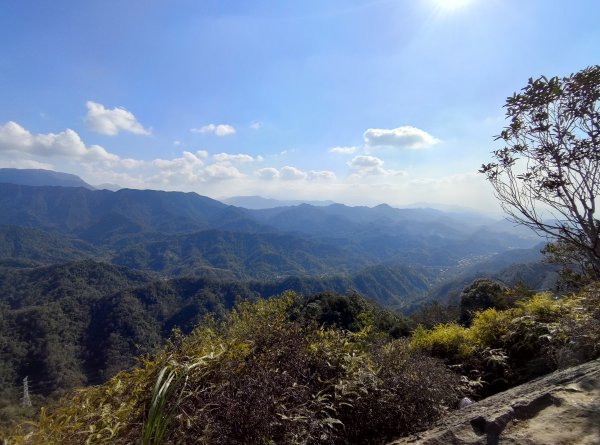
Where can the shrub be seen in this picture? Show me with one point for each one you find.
(450, 342)
(402, 391)
(489, 327)
(349, 312)
(507, 347)
(480, 295)
(432, 313)
(259, 377)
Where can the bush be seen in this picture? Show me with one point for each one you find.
(405, 392)
(504, 348)
(450, 342)
(480, 295)
(433, 313)
(349, 312)
(259, 377)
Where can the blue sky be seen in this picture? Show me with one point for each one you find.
(361, 102)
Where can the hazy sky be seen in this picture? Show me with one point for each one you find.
(360, 102)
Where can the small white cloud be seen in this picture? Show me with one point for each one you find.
(343, 150)
(176, 143)
(401, 137)
(66, 145)
(289, 173)
(268, 173)
(256, 125)
(186, 160)
(111, 122)
(131, 163)
(218, 129)
(365, 162)
(324, 175)
(240, 157)
(222, 171)
(187, 168)
(27, 163)
(371, 166)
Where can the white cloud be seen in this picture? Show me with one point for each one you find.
(111, 122)
(218, 129)
(343, 150)
(268, 173)
(289, 173)
(131, 163)
(27, 163)
(365, 162)
(186, 160)
(323, 175)
(186, 169)
(256, 125)
(176, 143)
(66, 145)
(371, 166)
(401, 137)
(222, 171)
(190, 170)
(240, 157)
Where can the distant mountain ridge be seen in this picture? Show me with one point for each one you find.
(392, 255)
(259, 203)
(96, 215)
(101, 217)
(40, 177)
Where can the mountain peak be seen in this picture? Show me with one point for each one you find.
(40, 177)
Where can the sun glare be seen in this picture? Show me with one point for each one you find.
(452, 5)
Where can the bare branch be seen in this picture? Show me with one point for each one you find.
(547, 176)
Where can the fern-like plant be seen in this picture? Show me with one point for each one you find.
(157, 422)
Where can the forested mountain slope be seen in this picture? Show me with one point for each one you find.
(80, 322)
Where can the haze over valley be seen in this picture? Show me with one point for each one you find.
(310, 222)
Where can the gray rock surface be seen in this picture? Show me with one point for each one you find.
(558, 409)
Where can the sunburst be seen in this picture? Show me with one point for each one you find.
(452, 5)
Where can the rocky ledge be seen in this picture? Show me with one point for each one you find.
(558, 409)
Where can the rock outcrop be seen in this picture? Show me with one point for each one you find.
(558, 409)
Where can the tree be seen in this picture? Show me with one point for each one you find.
(480, 295)
(547, 176)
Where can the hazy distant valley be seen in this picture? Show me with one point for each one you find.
(172, 235)
(91, 279)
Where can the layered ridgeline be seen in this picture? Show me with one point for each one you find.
(92, 279)
(185, 234)
(112, 220)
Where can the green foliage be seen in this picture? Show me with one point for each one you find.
(260, 377)
(480, 295)
(155, 426)
(575, 268)
(350, 312)
(433, 313)
(507, 347)
(82, 322)
(448, 341)
(37, 247)
(546, 176)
